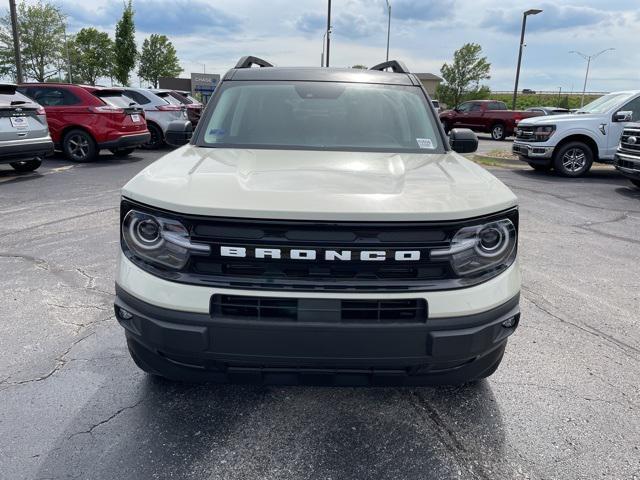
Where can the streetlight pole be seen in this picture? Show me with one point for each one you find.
(388, 27)
(16, 40)
(533, 11)
(328, 32)
(588, 58)
(324, 40)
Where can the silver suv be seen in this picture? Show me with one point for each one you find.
(24, 134)
(160, 112)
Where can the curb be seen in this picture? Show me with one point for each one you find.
(507, 162)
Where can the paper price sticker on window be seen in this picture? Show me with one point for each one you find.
(19, 122)
(425, 143)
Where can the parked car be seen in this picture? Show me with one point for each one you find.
(160, 112)
(571, 143)
(549, 110)
(24, 135)
(489, 116)
(194, 107)
(436, 105)
(627, 157)
(528, 91)
(84, 119)
(319, 227)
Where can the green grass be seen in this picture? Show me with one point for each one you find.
(542, 100)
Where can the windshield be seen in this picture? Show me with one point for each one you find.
(322, 115)
(605, 103)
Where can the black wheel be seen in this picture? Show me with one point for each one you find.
(79, 146)
(573, 159)
(27, 165)
(122, 152)
(157, 139)
(498, 132)
(541, 168)
(636, 183)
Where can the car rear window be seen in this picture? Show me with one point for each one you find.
(115, 99)
(322, 115)
(167, 97)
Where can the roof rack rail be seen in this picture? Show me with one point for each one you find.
(247, 62)
(396, 66)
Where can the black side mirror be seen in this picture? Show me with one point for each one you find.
(463, 140)
(179, 133)
(623, 116)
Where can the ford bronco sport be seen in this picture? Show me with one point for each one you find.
(318, 228)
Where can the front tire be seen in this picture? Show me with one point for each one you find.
(79, 146)
(27, 165)
(573, 159)
(157, 138)
(541, 168)
(498, 132)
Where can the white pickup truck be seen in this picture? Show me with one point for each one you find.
(571, 143)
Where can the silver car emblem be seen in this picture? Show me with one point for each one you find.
(632, 140)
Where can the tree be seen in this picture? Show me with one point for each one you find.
(91, 55)
(462, 78)
(41, 27)
(158, 59)
(125, 50)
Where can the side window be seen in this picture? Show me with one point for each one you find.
(54, 97)
(475, 107)
(633, 106)
(496, 106)
(464, 107)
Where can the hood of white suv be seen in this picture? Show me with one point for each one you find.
(571, 118)
(319, 185)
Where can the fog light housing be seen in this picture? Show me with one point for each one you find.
(124, 314)
(510, 322)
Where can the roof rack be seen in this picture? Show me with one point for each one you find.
(247, 62)
(396, 66)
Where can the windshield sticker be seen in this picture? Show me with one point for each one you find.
(425, 143)
(218, 132)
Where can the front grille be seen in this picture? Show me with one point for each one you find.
(525, 134)
(330, 270)
(621, 162)
(323, 310)
(625, 144)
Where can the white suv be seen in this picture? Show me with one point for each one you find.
(318, 228)
(571, 143)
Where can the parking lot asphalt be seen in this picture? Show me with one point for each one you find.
(565, 404)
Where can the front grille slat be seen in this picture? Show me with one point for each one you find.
(240, 307)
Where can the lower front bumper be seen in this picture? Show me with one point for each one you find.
(127, 141)
(197, 346)
(21, 151)
(628, 165)
(532, 153)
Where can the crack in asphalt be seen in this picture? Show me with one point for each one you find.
(585, 328)
(90, 430)
(448, 437)
(53, 222)
(61, 361)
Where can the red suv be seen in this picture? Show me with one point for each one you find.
(84, 119)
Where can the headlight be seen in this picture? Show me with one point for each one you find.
(160, 241)
(480, 248)
(543, 133)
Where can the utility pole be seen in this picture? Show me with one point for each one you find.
(533, 11)
(388, 27)
(328, 31)
(588, 58)
(16, 40)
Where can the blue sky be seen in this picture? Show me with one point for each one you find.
(212, 34)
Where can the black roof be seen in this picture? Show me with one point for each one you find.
(321, 74)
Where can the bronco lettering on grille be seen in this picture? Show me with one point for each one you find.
(329, 255)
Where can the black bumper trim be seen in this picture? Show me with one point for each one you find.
(199, 343)
(10, 153)
(127, 141)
